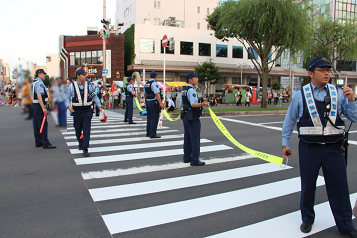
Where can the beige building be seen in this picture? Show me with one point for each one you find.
(52, 65)
(5, 73)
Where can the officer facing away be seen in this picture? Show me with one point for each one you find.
(152, 94)
(40, 106)
(129, 93)
(99, 94)
(318, 106)
(192, 110)
(82, 94)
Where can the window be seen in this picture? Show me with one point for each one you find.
(94, 57)
(71, 59)
(221, 50)
(204, 49)
(198, 9)
(126, 12)
(157, 4)
(83, 58)
(252, 54)
(168, 50)
(78, 58)
(100, 54)
(89, 57)
(48, 58)
(207, 10)
(186, 48)
(147, 46)
(198, 25)
(157, 21)
(238, 52)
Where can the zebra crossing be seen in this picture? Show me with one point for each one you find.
(125, 178)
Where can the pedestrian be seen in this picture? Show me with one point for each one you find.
(129, 94)
(40, 109)
(98, 91)
(318, 106)
(280, 96)
(174, 96)
(27, 98)
(247, 98)
(59, 97)
(152, 94)
(116, 97)
(123, 99)
(239, 98)
(80, 97)
(192, 110)
(275, 95)
(270, 96)
(169, 104)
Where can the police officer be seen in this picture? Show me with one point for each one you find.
(99, 94)
(40, 106)
(82, 94)
(129, 93)
(318, 106)
(192, 110)
(152, 94)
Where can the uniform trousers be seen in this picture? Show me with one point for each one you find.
(40, 139)
(152, 119)
(312, 157)
(62, 113)
(82, 119)
(129, 109)
(191, 144)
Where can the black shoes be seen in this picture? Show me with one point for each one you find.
(39, 145)
(200, 163)
(147, 135)
(50, 147)
(59, 125)
(85, 153)
(306, 228)
(132, 122)
(126, 121)
(156, 136)
(351, 234)
(80, 148)
(187, 161)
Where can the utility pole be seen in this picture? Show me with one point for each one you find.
(104, 47)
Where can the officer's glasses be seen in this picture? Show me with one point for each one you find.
(324, 70)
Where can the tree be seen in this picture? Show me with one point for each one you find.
(332, 39)
(276, 85)
(208, 74)
(264, 27)
(129, 46)
(48, 80)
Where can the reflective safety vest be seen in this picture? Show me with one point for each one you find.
(313, 126)
(80, 94)
(149, 93)
(34, 95)
(197, 111)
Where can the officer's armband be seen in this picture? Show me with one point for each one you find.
(92, 95)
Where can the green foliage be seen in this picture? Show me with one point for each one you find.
(208, 72)
(331, 39)
(48, 80)
(276, 85)
(267, 26)
(129, 46)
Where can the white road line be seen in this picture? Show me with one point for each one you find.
(125, 140)
(352, 142)
(154, 168)
(253, 124)
(144, 155)
(275, 122)
(103, 125)
(123, 134)
(136, 189)
(351, 132)
(134, 147)
(157, 215)
(121, 128)
(289, 224)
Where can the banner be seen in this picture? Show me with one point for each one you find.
(168, 116)
(267, 157)
(138, 104)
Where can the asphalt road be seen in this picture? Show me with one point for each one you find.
(132, 186)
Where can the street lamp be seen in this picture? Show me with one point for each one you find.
(241, 66)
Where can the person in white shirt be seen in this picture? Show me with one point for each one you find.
(169, 104)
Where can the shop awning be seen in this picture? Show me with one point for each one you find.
(161, 85)
(120, 83)
(176, 84)
(236, 85)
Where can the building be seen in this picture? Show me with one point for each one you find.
(4, 73)
(52, 65)
(87, 51)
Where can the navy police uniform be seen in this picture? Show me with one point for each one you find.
(82, 97)
(191, 123)
(38, 87)
(152, 105)
(318, 147)
(129, 102)
(99, 95)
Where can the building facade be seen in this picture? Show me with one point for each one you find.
(4, 73)
(52, 65)
(87, 51)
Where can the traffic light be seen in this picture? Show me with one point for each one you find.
(106, 23)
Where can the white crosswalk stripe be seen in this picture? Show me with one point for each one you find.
(126, 167)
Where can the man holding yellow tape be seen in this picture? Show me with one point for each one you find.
(192, 110)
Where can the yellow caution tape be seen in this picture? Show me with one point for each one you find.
(138, 104)
(267, 157)
(168, 117)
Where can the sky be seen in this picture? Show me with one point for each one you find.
(31, 28)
